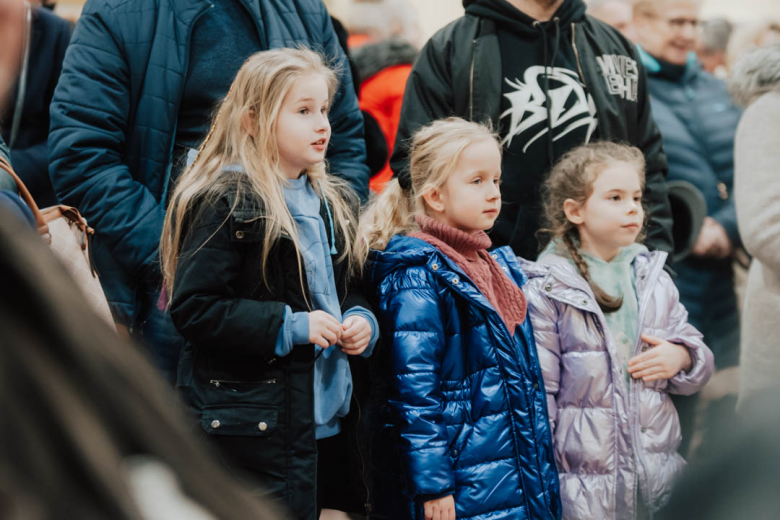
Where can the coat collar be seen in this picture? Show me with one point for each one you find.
(562, 282)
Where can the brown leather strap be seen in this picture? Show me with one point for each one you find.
(40, 222)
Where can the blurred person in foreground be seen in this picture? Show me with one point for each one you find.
(755, 84)
(698, 120)
(617, 13)
(713, 44)
(93, 431)
(550, 78)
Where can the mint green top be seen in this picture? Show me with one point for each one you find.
(616, 277)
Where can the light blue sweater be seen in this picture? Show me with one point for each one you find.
(332, 377)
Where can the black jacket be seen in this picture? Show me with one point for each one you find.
(29, 153)
(459, 73)
(257, 408)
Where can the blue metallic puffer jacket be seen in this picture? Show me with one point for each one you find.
(466, 410)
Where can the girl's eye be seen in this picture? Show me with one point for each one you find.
(637, 199)
(615, 197)
(303, 111)
(324, 110)
(476, 181)
(497, 182)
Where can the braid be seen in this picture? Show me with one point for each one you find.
(606, 302)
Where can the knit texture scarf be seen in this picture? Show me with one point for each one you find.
(469, 251)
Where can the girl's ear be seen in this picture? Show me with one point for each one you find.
(248, 121)
(573, 211)
(434, 200)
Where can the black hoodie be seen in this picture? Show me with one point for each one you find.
(468, 68)
(546, 109)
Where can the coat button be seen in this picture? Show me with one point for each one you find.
(548, 287)
(455, 280)
(239, 234)
(644, 430)
(584, 302)
(435, 267)
(262, 426)
(215, 424)
(494, 256)
(454, 453)
(536, 386)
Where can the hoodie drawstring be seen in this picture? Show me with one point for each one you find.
(548, 66)
(333, 250)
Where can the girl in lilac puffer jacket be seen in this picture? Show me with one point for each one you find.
(613, 340)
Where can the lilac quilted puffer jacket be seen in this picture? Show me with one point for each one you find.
(611, 442)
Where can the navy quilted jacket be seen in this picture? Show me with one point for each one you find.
(698, 121)
(114, 115)
(465, 412)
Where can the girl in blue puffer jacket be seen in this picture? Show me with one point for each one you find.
(464, 422)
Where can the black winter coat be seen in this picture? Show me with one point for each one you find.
(257, 408)
(459, 74)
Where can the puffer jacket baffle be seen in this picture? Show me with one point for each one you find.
(615, 443)
(465, 412)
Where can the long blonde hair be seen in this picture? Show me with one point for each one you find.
(572, 178)
(435, 151)
(259, 88)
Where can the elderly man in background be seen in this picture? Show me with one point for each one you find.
(617, 13)
(698, 120)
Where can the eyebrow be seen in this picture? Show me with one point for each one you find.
(302, 100)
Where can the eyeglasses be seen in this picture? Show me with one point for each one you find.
(678, 24)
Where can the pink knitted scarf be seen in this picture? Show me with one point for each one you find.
(469, 251)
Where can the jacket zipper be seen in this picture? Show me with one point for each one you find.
(576, 52)
(650, 275)
(367, 504)
(219, 382)
(471, 81)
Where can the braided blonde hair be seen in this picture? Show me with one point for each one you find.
(572, 178)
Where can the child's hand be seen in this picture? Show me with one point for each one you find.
(663, 361)
(440, 509)
(355, 335)
(324, 329)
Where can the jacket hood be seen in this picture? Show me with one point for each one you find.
(401, 251)
(504, 13)
(372, 58)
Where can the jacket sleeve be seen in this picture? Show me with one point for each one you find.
(204, 304)
(414, 338)
(755, 181)
(683, 333)
(428, 97)
(656, 193)
(347, 150)
(89, 121)
(544, 318)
